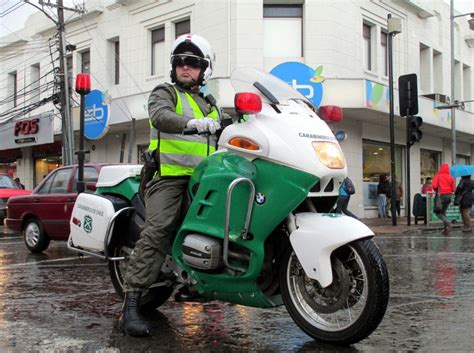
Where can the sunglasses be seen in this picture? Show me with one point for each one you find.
(189, 60)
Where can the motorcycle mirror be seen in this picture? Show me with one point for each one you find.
(247, 103)
(330, 113)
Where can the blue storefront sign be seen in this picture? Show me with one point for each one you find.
(96, 120)
(306, 80)
(340, 135)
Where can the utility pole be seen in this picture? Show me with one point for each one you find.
(66, 119)
(68, 130)
(394, 27)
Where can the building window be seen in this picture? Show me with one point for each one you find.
(367, 33)
(383, 43)
(141, 149)
(429, 164)
(116, 62)
(158, 54)
(461, 159)
(35, 83)
(282, 31)
(183, 27)
(425, 69)
(86, 62)
(376, 161)
(437, 72)
(13, 89)
(466, 73)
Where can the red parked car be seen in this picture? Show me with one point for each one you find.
(8, 188)
(44, 215)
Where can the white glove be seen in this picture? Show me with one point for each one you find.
(204, 125)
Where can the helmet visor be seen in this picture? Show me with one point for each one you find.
(193, 61)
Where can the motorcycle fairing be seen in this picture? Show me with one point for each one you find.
(317, 235)
(284, 189)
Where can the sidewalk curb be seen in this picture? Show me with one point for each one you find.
(412, 231)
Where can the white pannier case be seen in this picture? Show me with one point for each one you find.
(89, 221)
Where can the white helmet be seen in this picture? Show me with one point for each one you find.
(192, 46)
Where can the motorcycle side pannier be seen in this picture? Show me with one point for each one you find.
(89, 222)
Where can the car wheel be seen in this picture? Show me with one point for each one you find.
(35, 239)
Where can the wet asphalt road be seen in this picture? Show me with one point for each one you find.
(56, 301)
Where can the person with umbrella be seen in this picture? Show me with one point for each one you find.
(444, 185)
(464, 198)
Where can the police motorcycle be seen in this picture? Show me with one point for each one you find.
(257, 231)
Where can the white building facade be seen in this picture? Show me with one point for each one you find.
(125, 46)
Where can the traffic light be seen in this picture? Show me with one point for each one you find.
(414, 132)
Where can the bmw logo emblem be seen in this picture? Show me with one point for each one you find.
(260, 198)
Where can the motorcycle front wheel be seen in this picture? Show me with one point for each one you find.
(151, 298)
(350, 308)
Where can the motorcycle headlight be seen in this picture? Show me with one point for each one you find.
(329, 154)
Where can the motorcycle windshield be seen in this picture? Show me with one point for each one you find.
(270, 88)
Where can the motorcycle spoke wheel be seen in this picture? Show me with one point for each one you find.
(347, 310)
(333, 308)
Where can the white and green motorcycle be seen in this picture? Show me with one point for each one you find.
(256, 231)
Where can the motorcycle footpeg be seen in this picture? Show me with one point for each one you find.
(167, 276)
(185, 295)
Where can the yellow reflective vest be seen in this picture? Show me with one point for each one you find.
(180, 154)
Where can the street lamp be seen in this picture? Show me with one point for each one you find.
(455, 105)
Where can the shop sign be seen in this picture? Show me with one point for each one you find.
(54, 148)
(32, 131)
(96, 120)
(10, 156)
(305, 79)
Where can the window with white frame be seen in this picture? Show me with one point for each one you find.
(383, 43)
(86, 62)
(282, 31)
(425, 69)
(437, 72)
(182, 27)
(367, 34)
(158, 55)
(34, 83)
(466, 72)
(116, 60)
(12, 89)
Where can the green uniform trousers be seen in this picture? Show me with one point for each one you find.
(165, 200)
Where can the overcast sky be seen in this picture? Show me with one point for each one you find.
(13, 13)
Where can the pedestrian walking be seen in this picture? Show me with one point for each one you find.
(398, 195)
(444, 186)
(383, 193)
(464, 198)
(345, 191)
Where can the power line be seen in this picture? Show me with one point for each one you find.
(11, 9)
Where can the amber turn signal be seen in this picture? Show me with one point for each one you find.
(244, 143)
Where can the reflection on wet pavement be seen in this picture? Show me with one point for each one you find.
(57, 301)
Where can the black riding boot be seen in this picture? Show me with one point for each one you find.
(131, 322)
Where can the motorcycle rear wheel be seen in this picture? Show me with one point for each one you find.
(348, 310)
(151, 298)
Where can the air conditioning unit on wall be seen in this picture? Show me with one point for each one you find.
(438, 97)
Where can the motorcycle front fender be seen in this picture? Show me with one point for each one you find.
(317, 235)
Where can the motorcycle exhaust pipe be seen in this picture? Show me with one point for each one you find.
(238, 256)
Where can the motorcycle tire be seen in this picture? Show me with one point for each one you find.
(348, 310)
(151, 298)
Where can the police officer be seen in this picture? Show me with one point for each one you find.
(171, 108)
